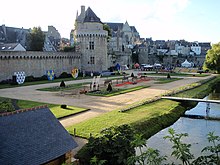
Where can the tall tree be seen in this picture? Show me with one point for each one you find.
(107, 28)
(36, 39)
(212, 61)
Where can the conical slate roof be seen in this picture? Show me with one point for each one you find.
(90, 16)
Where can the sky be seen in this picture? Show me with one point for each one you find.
(192, 20)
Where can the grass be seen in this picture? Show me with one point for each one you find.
(35, 83)
(117, 91)
(55, 109)
(139, 115)
(115, 118)
(179, 74)
(166, 80)
(68, 87)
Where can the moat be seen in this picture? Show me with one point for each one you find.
(197, 129)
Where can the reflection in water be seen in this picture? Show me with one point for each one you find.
(197, 130)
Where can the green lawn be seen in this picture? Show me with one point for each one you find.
(166, 80)
(68, 87)
(116, 118)
(135, 115)
(179, 74)
(36, 83)
(55, 109)
(117, 91)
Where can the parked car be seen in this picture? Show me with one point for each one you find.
(146, 67)
(106, 73)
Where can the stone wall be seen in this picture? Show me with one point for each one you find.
(36, 63)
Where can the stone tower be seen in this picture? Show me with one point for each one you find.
(91, 40)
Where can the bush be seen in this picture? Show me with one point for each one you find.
(65, 75)
(109, 88)
(69, 49)
(114, 146)
(6, 105)
(64, 106)
(62, 84)
(29, 78)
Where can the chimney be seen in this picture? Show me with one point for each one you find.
(83, 11)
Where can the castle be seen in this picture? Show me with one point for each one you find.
(97, 52)
(91, 38)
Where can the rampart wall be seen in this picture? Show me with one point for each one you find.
(37, 63)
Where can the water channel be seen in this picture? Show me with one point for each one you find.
(197, 129)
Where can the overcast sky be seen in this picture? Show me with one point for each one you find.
(192, 20)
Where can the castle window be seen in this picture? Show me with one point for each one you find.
(92, 60)
(91, 45)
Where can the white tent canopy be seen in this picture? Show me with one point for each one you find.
(186, 64)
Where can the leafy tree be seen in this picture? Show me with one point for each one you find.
(96, 161)
(36, 39)
(107, 28)
(114, 146)
(69, 49)
(212, 61)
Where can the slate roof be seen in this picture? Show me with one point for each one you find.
(13, 35)
(90, 16)
(8, 47)
(115, 26)
(2, 34)
(32, 137)
(133, 29)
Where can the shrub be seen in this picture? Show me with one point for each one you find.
(6, 105)
(109, 88)
(29, 78)
(64, 106)
(62, 84)
(65, 75)
(114, 146)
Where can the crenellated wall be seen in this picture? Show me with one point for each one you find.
(36, 63)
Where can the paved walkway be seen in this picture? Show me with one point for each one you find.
(98, 105)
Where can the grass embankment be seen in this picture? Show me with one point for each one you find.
(55, 109)
(147, 119)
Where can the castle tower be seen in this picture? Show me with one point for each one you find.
(92, 40)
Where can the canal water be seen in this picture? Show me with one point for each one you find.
(197, 129)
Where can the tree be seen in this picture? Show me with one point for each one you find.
(36, 39)
(114, 146)
(107, 28)
(212, 61)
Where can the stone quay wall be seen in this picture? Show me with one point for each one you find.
(37, 63)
